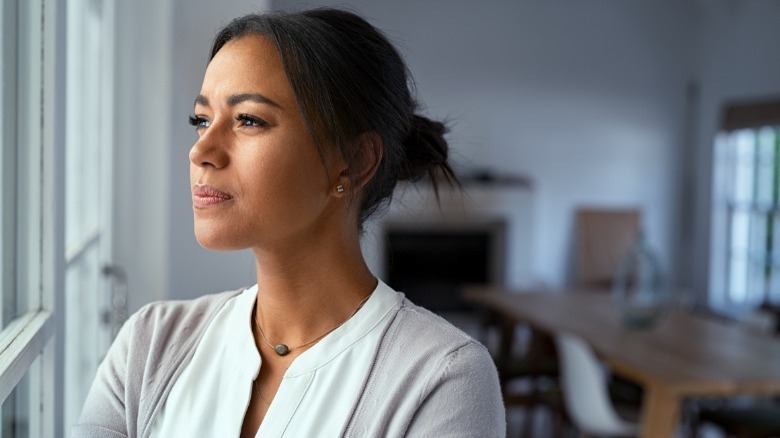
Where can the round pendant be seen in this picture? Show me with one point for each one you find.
(282, 349)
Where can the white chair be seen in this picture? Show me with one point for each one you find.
(585, 392)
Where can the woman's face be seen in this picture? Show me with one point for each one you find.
(255, 172)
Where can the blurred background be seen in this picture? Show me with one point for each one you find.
(667, 108)
(595, 103)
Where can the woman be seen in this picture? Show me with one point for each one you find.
(305, 123)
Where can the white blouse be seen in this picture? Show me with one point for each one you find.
(317, 392)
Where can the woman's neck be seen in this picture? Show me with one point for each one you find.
(305, 291)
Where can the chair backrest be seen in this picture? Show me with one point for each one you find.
(585, 391)
(603, 237)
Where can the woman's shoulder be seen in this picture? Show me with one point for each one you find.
(418, 341)
(171, 311)
(430, 330)
(168, 323)
(423, 368)
(142, 362)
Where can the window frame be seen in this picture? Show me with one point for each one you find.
(736, 116)
(31, 343)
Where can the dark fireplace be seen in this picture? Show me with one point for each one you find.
(430, 261)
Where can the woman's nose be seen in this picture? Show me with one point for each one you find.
(210, 150)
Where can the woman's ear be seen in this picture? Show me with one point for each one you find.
(369, 149)
(356, 171)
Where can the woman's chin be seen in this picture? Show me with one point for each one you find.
(213, 239)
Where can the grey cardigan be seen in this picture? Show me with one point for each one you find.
(427, 378)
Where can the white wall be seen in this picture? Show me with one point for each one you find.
(587, 98)
(142, 131)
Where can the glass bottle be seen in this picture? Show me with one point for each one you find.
(638, 290)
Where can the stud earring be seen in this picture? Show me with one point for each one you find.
(340, 188)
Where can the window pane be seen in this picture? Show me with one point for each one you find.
(744, 171)
(740, 230)
(765, 183)
(754, 217)
(29, 147)
(85, 142)
(8, 161)
(86, 338)
(17, 409)
(20, 131)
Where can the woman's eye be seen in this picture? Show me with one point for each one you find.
(199, 122)
(251, 121)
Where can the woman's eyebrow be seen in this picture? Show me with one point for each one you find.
(201, 100)
(238, 98)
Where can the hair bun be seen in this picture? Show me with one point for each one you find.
(425, 151)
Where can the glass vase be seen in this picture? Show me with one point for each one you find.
(639, 290)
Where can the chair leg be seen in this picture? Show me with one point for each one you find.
(556, 424)
(528, 423)
(558, 427)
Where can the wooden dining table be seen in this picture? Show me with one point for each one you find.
(683, 355)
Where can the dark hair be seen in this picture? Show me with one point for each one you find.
(349, 80)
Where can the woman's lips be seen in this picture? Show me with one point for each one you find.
(204, 196)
